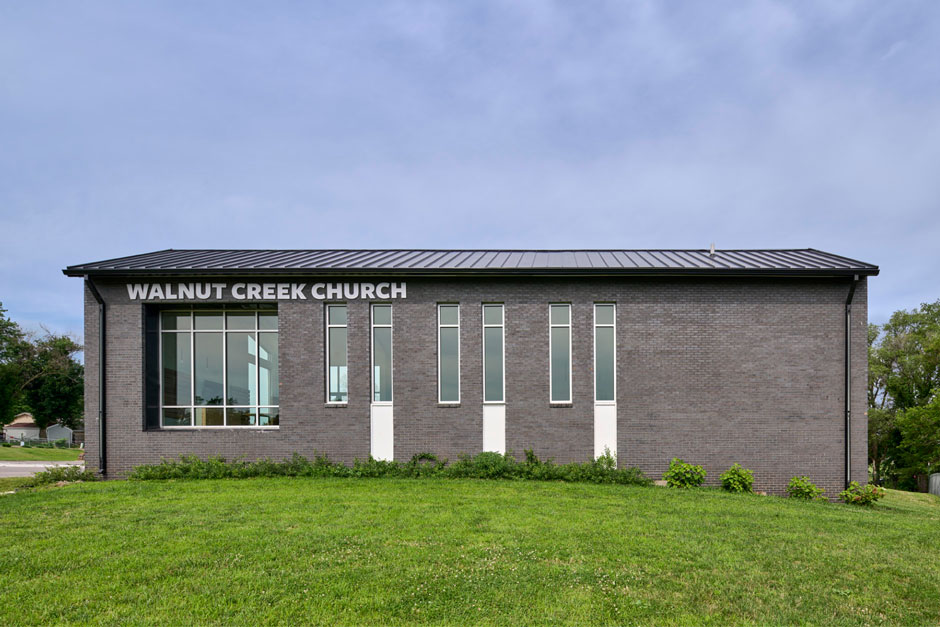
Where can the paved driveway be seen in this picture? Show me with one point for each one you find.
(28, 469)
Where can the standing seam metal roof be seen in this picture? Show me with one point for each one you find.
(787, 261)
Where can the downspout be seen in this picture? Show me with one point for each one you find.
(102, 443)
(848, 381)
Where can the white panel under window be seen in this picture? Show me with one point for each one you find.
(605, 430)
(494, 428)
(382, 432)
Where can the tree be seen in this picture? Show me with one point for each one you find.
(910, 354)
(11, 349)
(903, 376)
(920, 440)
(39, 375)
(53, 384)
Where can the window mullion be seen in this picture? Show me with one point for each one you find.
(192, 369)
(224, 371)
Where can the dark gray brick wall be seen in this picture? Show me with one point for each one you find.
(712, 370)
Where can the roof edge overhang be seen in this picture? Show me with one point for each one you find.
(480, 272)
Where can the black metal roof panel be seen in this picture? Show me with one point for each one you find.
(791, 262)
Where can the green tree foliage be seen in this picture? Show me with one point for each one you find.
(919, 447)
(903, 383)
(11, 347)
(40, 375)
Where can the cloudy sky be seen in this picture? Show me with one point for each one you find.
(129, 127)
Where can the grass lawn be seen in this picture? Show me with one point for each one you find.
(460, 551)
(12, 483)
(26, 454)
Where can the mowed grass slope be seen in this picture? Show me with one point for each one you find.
(459, 551)
(28, 454)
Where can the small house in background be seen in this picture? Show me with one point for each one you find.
(59, 432)
(23, 427)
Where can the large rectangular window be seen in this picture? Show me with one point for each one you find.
(448, 350)
(605, 353)
(219, 368)
(494, 359)
(336, 340)
(559, 353)
(381, 353)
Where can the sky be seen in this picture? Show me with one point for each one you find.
(129, 127)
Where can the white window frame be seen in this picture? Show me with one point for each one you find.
(613, 326)
(551, 392)
(373, 326)
(502, 328)
(327, 355)
(441, 325)
(224, 331)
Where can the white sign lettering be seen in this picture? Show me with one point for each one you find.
(265, 291)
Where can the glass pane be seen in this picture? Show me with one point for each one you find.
(208, 368)
(176, 369)
(561, 364)
(240, 320)
(604, 314)
(604, 364)
(450, 365)
(382, 364)
(210, 417)
(176, 320)
(337, 314)
(492, 314)
(267, 320)
(240, 416)
(450, 314)
(269, 417)
(268, 390)
(561, 314)
(176, 418)
(207, 320)
(242, 361)
(337, 365)
(493, 364)
(382, 314)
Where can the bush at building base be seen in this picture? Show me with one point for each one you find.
(737, 479)
(479, 466)
(684, 475)
(800, 487)
(857, 495)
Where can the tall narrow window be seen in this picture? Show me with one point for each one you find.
(493, 355)
(448, 347)
(381, 353)
(605, 351)
(219, 368)
(336, 334)
(560, 353)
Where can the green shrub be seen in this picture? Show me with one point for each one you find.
(425, 465)
(7, 444)
(485, 465)
(62, 473)
(801, 487)
(737, 479)
(684, 475)
(858, 495)
(480, 466)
